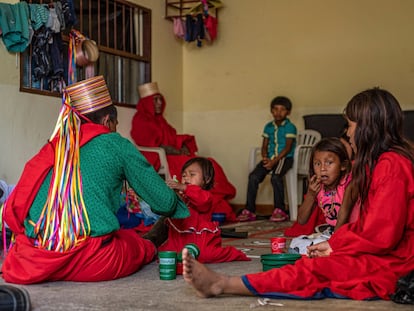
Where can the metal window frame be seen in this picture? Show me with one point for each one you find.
(121, 55)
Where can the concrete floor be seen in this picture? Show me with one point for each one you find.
(145, 291)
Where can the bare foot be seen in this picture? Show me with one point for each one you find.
(206, 282)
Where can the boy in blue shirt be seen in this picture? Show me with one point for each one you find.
(278, 147)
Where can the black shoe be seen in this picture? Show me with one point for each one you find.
(158, 234)
(14, 298)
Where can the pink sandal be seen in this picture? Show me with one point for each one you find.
(279, 215)
(246, 215)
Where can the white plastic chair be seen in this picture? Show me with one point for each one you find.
(164, 169)
(300, 170)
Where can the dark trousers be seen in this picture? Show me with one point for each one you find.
(259, 174)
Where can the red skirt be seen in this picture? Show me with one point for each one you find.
(97, 259)
(209, 243)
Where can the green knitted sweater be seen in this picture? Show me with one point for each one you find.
(106, 161)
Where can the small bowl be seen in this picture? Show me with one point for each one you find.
(219, 217)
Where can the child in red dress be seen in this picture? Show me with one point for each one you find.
(197, 179)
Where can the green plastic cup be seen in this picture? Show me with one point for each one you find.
(167, 265)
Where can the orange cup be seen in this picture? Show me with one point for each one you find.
(278, 245)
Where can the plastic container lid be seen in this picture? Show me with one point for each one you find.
(193, 249)
(281, 257)
(270, 261)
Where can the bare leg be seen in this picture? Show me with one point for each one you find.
(209, 283)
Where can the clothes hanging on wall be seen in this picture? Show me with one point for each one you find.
(39, 15)
(211, 27)
(41, 25)
(179, 27)
(19, 21)
(14, 24)
(198, 28)
(68, 10)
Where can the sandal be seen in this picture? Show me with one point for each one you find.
(279, 215)
(246, 215)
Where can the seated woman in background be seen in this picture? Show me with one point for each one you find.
(151, 129)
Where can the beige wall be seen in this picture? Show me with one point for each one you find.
(319, 53)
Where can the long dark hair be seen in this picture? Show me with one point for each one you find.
(207, 169)
(379, 128)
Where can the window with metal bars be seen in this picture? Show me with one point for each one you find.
(122, 32)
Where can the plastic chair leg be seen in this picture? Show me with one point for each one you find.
(292, 190)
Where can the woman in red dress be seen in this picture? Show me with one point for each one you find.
(151, 129)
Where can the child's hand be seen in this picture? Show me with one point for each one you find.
(268, 164)
(175, 185)
(265, 160)
(314, 185)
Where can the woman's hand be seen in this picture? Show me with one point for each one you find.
(321, 249)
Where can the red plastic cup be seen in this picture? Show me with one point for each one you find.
(278, 245)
